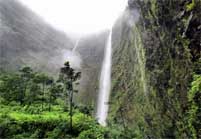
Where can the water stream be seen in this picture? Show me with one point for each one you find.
(105, 83)
(76, 45)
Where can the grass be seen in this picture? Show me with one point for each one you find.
(23, 114)
(21, 121)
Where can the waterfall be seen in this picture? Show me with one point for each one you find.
(76, 45)
(105, 83)
(73, 57)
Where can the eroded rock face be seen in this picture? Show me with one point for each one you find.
(132, 4)
(169, 48)
(25, 39)
(91, 50)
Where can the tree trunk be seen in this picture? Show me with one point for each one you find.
(71, 112)
(71, 108)
(50, 103)
(43, 95)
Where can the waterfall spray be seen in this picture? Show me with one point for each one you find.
(73, 57)
(105, 83)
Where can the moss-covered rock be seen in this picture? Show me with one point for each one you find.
(153, 67)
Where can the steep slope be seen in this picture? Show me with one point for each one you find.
(153, 67)
(25, 39)
(91, 50)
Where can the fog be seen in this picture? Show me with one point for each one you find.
(78, 17)
(74, 59)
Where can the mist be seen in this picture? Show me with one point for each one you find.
(78, 17)
(73, 58)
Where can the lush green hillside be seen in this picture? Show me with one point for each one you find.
(153, 67)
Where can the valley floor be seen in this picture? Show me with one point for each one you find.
(30, 122)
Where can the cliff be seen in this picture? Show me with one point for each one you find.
(25, 39)
(153, 67)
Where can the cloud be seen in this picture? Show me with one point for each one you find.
(78, 16)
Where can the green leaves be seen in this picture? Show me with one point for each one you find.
(194, 112)
(28, 120)
(15, 121)
(190, 6)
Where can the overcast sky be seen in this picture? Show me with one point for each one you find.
(78, 16)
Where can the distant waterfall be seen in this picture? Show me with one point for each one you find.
(105, 83)
(76, 45)
(73, 57)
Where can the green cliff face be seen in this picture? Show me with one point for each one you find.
(153, 65)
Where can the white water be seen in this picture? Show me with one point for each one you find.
(105, 83)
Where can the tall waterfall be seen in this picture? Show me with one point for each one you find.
(105, 83)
